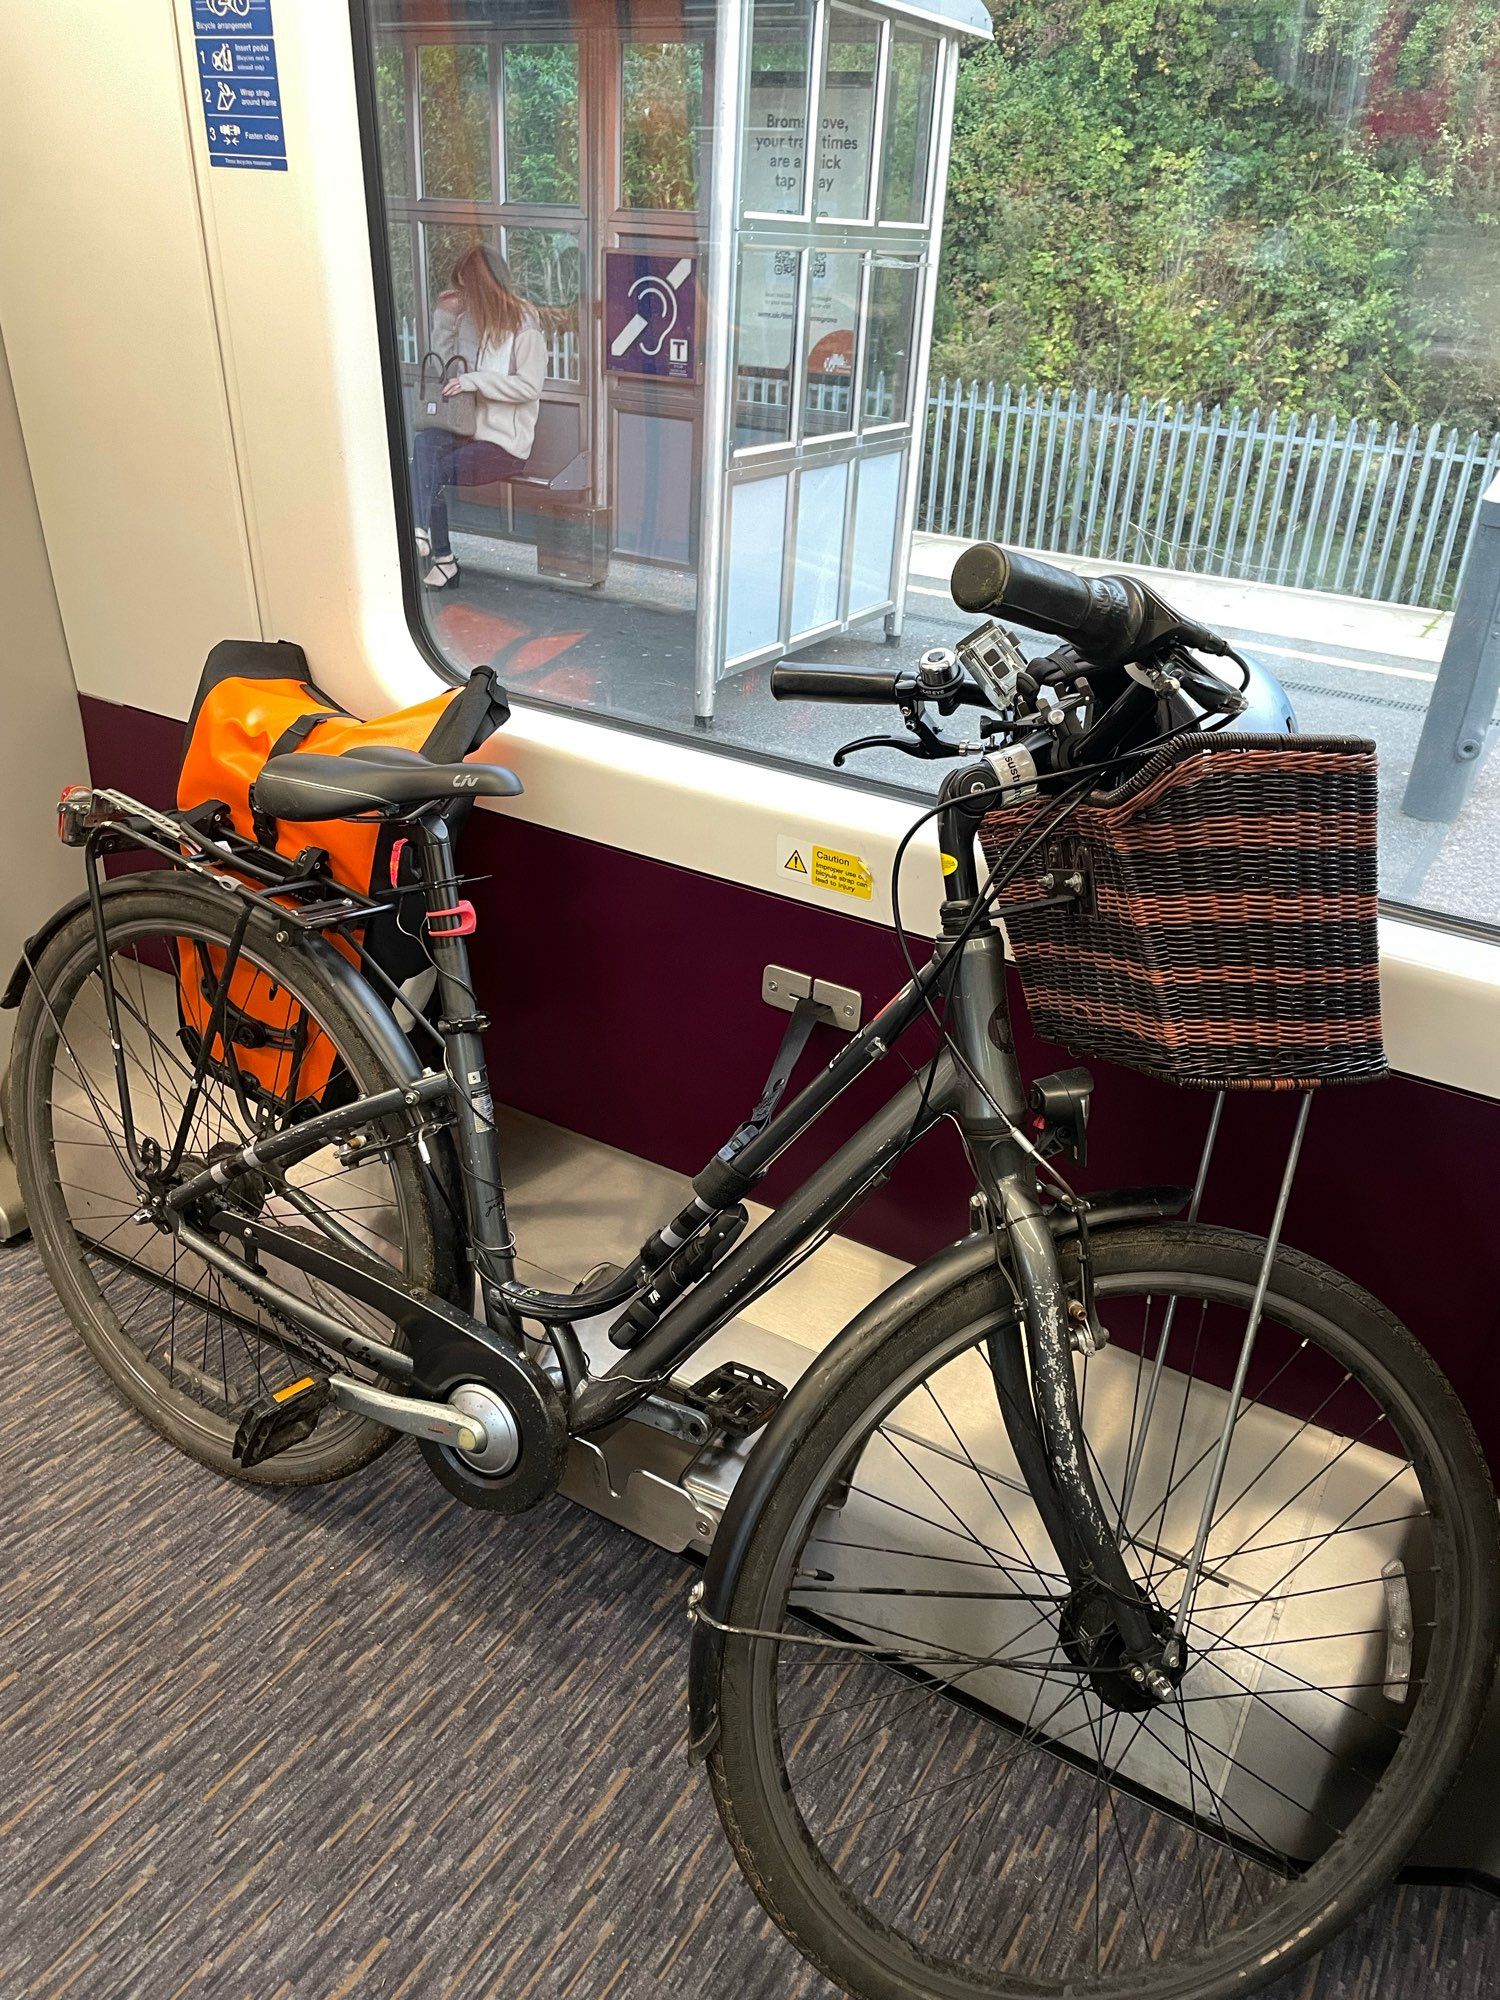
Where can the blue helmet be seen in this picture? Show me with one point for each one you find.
(1270, 712)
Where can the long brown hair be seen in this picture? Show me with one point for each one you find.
(495, 310)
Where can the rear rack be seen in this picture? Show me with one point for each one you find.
(204, 842)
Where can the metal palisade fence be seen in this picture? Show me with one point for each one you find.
(1273, 495)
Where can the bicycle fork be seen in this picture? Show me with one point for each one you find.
(1033, 1377)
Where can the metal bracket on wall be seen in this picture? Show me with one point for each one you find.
(781, 987)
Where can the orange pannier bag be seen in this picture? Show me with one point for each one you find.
(257, 700)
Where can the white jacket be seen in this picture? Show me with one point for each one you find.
(507, 377)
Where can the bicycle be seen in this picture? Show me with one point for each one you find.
(1006, 1683)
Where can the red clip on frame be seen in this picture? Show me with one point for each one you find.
(463, 911)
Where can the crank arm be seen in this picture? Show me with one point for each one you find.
(440, 1422)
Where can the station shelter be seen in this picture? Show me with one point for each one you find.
(738, 320)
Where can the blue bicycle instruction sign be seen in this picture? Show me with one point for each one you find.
(238, 83)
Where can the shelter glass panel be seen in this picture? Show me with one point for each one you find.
(661, 119)
(443, 244)
(457, 128)
(817, 563)
(547, 267)
(393, 111)
(890, 339)
(775, 157)
(541, 122)
(846, 116)
(757, 539)
(906, 147)
(874, 544)
(766, 352)
(831, 341)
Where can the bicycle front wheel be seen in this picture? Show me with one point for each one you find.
(940, 1778)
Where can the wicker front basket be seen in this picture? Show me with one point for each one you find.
(1225, 931)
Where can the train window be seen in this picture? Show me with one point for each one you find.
(787, 324)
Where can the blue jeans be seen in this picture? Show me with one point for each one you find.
(440, 460)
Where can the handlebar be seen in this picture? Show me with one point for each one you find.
(1101, 615)
(1110, 619)
(807, 683)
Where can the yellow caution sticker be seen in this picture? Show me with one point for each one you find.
(807, 864)
(950, 863)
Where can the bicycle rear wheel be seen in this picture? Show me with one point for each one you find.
(185, 1346)
(938, 1775)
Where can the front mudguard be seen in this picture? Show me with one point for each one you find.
(921, 1287)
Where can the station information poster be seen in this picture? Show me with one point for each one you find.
(772, 185)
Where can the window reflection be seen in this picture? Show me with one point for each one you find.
(454, 97)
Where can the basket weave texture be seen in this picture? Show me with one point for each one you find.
(1226, 931)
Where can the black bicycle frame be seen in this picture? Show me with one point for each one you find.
(974, 1080)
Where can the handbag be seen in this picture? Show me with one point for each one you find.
(436, 412)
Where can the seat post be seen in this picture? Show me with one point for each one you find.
(461, 1022)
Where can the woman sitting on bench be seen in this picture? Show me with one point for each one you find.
(482, 316)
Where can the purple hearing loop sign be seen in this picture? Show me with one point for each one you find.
(651, 315)
(238, 82)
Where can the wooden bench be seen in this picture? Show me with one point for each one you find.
(552, 504)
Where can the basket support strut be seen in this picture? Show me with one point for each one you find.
(1132, 1470)
(1242, 1370)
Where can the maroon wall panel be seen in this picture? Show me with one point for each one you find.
(625, 995)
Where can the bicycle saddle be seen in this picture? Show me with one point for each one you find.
(390, 783)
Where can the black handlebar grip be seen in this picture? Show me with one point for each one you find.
(793, 683)
(1102, 615)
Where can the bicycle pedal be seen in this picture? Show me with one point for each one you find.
(276, 1422)
(737, 1400)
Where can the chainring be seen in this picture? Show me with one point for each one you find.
(541, 1420)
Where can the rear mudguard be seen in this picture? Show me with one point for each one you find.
(359, 996)
(921, 1287)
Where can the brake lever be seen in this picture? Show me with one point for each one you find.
(927, 746)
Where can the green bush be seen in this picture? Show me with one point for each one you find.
(1265, 202)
